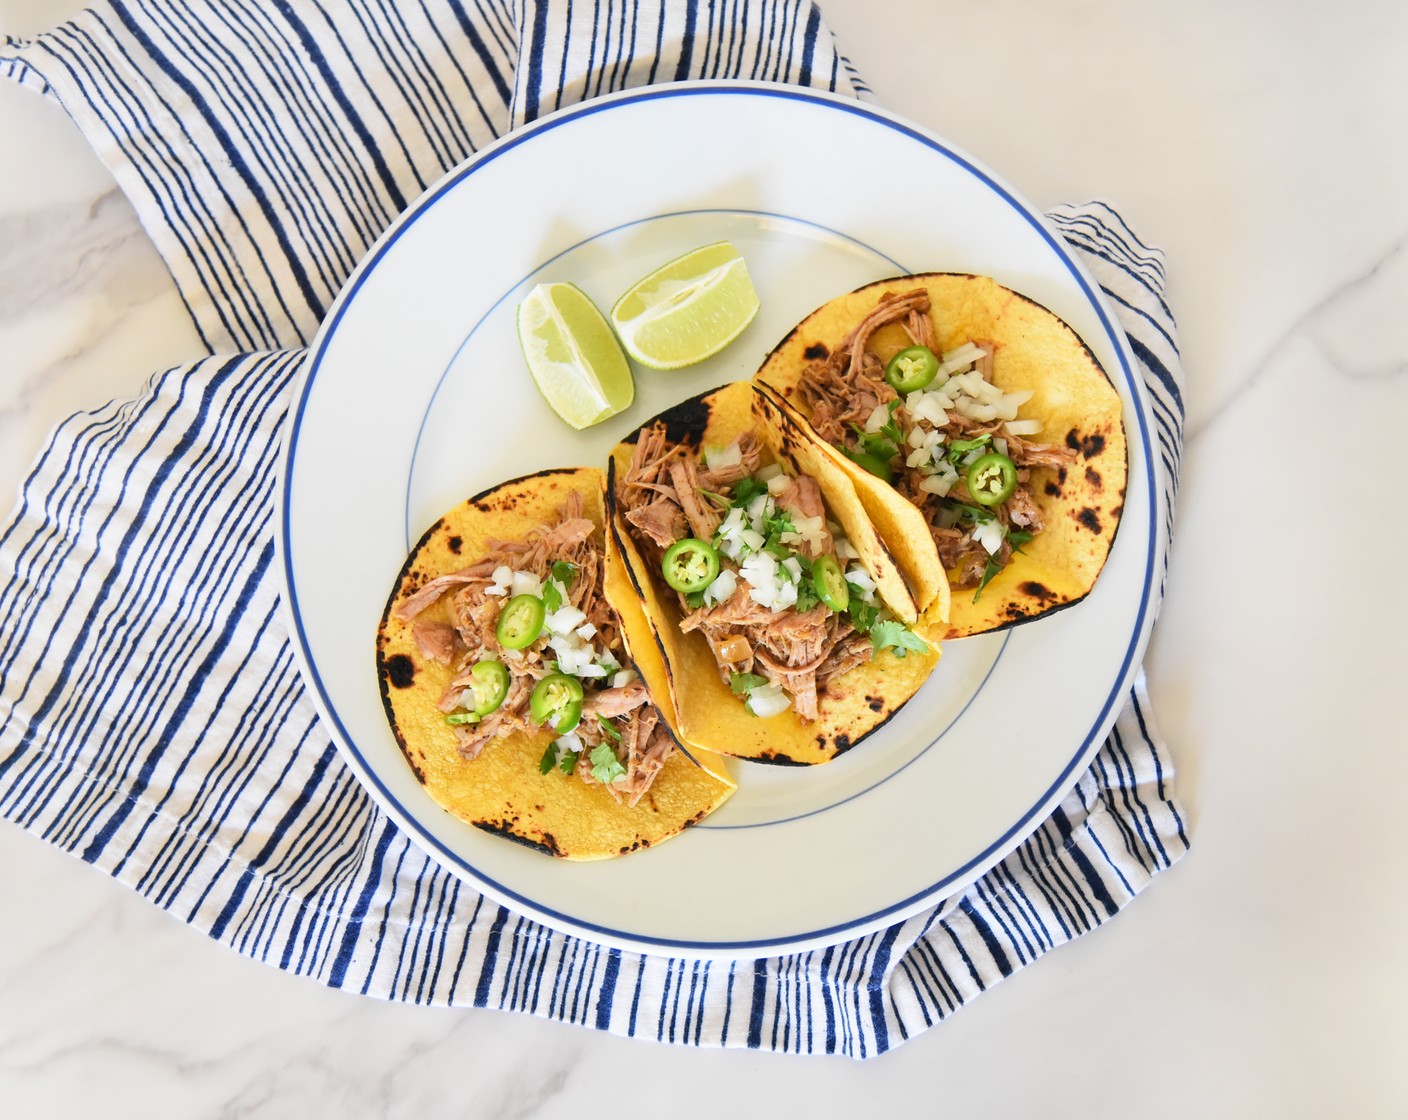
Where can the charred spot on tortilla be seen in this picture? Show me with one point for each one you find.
(1092, 476)
(1052, 490)
(875, 704)
(548, 844)
(686, 421)
(1088, 446)
(815, 352)
(843, 743)
(456, 543)
(1061, 475)
(777, 758)
(400, 670)
(1038, 591)
(1088, 518)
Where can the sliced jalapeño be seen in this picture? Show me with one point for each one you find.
(830, 584)
(520, 622)
(991, 479)
(911, 369)
(690, 565)
(557, 702)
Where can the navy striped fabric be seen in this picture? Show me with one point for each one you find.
(152, 720)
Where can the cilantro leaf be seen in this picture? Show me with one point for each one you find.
(552, 597)
(569, 761)
(549, 759)
(960, 447)
(975, 514)
(606, 767)
(608, 727)
(892, 634)
(744, 683)
(807, 597)
(1018, 537)
(748, 488)
(990, 569)
(695, 599)
(565, 572)
(862, 615)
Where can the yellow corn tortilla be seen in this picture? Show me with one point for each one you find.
(1072, 396)
(502, 791)
(710, 716)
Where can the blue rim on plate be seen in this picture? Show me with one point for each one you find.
(955, 878)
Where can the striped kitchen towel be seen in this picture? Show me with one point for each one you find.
(152, 719)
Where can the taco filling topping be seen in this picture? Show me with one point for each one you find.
(935, 427)
(535, 645)
(772, 584)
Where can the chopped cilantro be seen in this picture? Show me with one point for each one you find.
(746, 489)
(990, 569)
(744, 683)
(565, 572)
(960, 447)
(552, 597)
(461, 717)
(608, 727)
(569, 761)
(807, 597)
(975, 514)
(695, 599)
(549, 759)
(1014, 537)
(863, 615)
(892, 634)
(606, 767)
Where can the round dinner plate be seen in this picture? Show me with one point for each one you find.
(414, 397)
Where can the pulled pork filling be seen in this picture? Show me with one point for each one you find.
(775, 638)
(620, 741)
(925, 442)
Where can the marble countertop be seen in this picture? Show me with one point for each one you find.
(1261, 145)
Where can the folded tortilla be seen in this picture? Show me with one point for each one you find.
(502, 790)
(1072, 396)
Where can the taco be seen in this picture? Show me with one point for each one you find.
(984, 439)
(783, 621)
(504, 663)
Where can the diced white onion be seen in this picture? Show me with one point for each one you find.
(861, 578)
(918, 457)
(718, 457)
(793, 567)
(565, 620)
(526, 583)
(623, 678)
(568, 742)
(768, 700)
(845, 550)
(989, 535)
(930, 409)
(878, 418)
(752, 539)
(723, 587)
(769, 472)
(916, 436)
(1024, 427)
(759, 507)
(999, 445)
(778, 483)
(588, 631)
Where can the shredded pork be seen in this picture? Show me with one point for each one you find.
(798, 650)
(846, 386)
(466, 635)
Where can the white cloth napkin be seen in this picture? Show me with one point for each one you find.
(152, 720)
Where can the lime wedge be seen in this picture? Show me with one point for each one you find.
(574, 358)
(687, 310)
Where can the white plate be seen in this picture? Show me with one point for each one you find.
(415, 397)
